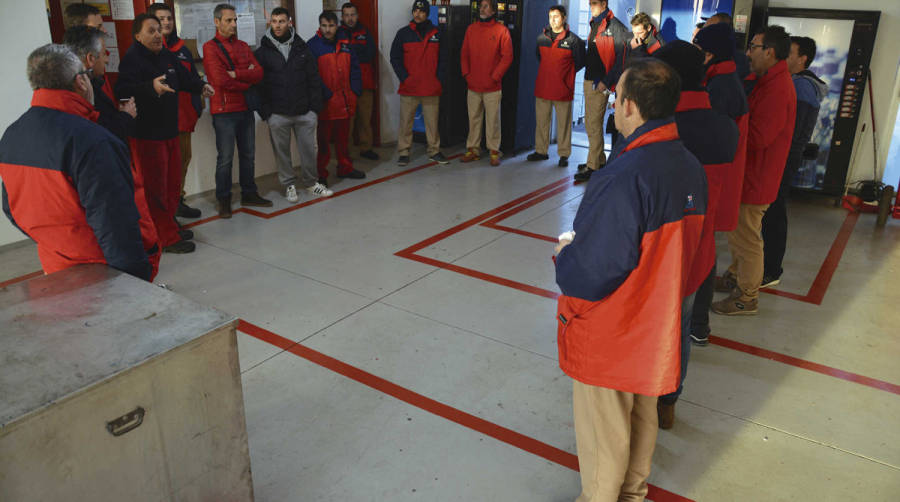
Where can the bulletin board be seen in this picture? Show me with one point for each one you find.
(194, 19)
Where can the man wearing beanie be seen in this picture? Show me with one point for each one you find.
(726, 94)
(486, 54)
(773, 108)
(417, 56)
(713, 138)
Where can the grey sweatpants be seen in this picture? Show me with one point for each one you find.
(304, 128)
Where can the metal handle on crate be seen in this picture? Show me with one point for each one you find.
(126, 423)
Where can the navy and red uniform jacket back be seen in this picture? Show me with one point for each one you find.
(67, 185)
(157, 117)
(726, 95)
(417, 56)
(339, 71)
(363, 46)
(190, 106)
(624, 276)
(561, 56)
(713, 138)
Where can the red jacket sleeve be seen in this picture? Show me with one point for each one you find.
(464, 54)
(506, 57)
(216, 70)
(253, 76)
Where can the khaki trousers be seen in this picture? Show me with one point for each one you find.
(361, 123)
(615, 434)
(484, 105)
(544, 112)
(184, 143)
(595, 103)
(430, 108)
(746, 244)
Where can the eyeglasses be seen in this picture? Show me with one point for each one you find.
(89, 72)
(761, 46)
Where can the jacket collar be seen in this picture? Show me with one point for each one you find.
(606, 14)
(321, 37)
(652, 131)
(64, 101)
(220, 38)
(774, 72)
(693, 100)
(549, 31)
(359, 28)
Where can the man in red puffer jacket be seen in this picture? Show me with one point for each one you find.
(341, 85)
(486, 54)
(773, 108)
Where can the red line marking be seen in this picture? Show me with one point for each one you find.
(807, 365)
(829, 266)
(25, 277)
(503, 434)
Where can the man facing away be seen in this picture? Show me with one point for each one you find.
(623, 280)
(773, 108)
(604, 47)
(341, 85)
(363, 45)
(67, 181)
(561, 55)
(810, 92)
(291, 93)
(153, 75)
(190, 106)
(417, 56)
(486, 55)
(232, 69)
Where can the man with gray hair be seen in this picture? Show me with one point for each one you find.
(67, 183)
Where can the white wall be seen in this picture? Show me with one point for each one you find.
(19, 35)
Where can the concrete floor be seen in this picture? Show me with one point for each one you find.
(432, 375)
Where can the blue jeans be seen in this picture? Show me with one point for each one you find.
(231, 127)
(687, 307)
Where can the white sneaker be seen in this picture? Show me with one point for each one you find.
(290, 193)
(320, 190)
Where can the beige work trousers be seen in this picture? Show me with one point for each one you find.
(544, 117)
(595, 102)
(430, 108)
(184, 143)
(484, 105)
(746, 244)
(361, 122)
(615, 434)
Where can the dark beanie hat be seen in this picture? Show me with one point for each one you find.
(687, 60)
(718, 40)
(421, 5)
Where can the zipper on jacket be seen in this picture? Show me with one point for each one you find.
(565, 346)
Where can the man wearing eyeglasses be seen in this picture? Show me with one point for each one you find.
(773, 108)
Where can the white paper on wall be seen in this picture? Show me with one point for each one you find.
(246, 28)
(122, 9)
(112, 66)
(110, 28)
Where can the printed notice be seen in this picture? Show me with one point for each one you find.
(122, 9)
(246, 28)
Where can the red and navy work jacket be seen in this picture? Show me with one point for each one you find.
(628, 53)
(67, 185)
(773, 110)
(157, 117)
(624, 276)
(726, 95)
(713, 138)
(363, 47)
(341, 83)
(604, 47)
(561, 56)
(229, 95)
(417, 56)
(190, 106)
(486, 55)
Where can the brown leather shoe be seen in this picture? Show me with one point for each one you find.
(495, 158)
(224, 207)
(470, 156)
(666, 415)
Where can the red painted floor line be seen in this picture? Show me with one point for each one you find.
(807, 365)
(25, 277)
(508, 436)
(829, 266)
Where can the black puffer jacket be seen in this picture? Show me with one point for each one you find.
(290, 87)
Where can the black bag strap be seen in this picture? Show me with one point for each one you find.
(227, 57)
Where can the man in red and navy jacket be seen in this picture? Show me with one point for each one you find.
(190, 106)
(726, 95)
(67, 181)
(486, 55)
(364, 48)
(773, 108)
(341, 84)
(644, 42)
(232, 69)
(561, 55)
(417, 56)
(713, 138)
(153, 76)
(623, 280)
(604, 47)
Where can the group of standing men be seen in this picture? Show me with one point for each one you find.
(700, 149)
